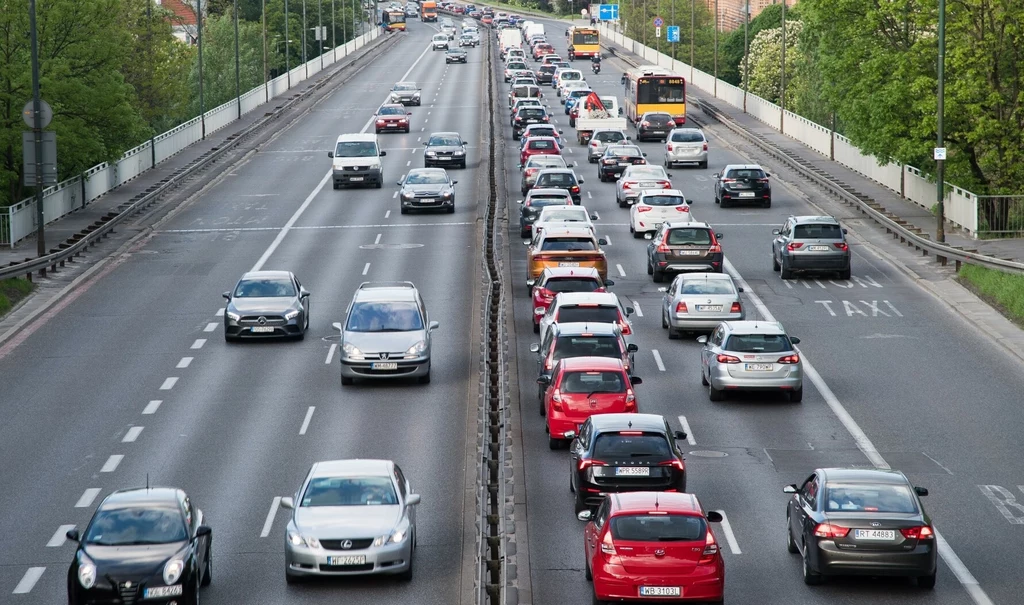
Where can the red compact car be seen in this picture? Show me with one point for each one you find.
(563, 279)
(580, 387)
(653, 546)
(542, 49)
(539, 146)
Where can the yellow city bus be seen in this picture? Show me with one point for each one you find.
(584, 42)
(651, 88)
(394, 20)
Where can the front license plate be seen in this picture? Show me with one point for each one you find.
(347, 560)
(428, 200)
(874, 534)
(384, 365)
(709, 308)
(262, 329)
(817, 248)
(759, 367)
(567, 264)
(661, 591)
(444, 159)
(688, 252)
(632, 471)
(746, 194)
(158, 592)
(356, 179)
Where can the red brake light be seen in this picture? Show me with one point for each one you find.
(586, 463)
(643, 209)
(683, 208)
(842, 246)
(645, 123)
(787, 358)
(631, 433)
(626, 330)
(681, 307)
(923, 532)
(826, 530)
(794, 246)
(677, 464)
(668, 147)
(736, 309)
(607, 547)
(715, 249)
(705, 147)
(556, 400)
(710, 549)
(726, 358)
(630, 400)
(575, 189)
(663, 248)
(728, 180)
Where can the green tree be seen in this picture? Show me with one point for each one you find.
(219, 61)
(731, 48)
(765, 61)
(639, 20)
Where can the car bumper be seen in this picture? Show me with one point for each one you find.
(675, 157)
(615, 171)
(560, 423)
(652, 134)
(108, 596)
(453, 60)
(357, 177)
(678, 265)
(420, 204)
(790, 380)
(406, 100)
(291, 327)
(392, 127)
(832, 560)
(759, 197)
(593, 494)
(393, 558)
(706, 583)
(704, 322)
(405, 368)
(817, 262)
(445, 160)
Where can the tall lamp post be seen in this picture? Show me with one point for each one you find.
(716, 49)
(693, 27)
(782, 91)
(37, 130)
(238, 81)
(746, 53)
(287, 48)
(199, 42)
(940, 151)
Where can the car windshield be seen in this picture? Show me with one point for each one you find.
(571, 284)
(593, 382)
(758, 343)
(557, 179)
(404, 87)
(609, 137)
(595, 314)
(349, 491)
(570, 75)
(663, 200)
(384, 317)
(391, 111)
(687, 136)
(624, 152)
(568, 244)
(426, 178)
(356, 149)
(136, 526)
(745, 173)
(616, 446)
(444, 141)
(440, 38)
(707, 286)
(685, 236)
(869, 498)
(264, 288)
(823, 231)
(587, 346)
(658, 528)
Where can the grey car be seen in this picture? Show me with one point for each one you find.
(445, 149)
(386, 334)
(751, 356)
(684, 246)
(455, 55)
(266, 304)
(427, 189)
(686, 146)
(351, 517)
(811, 244)
(600, 140)
(699, 302)
(406, 93)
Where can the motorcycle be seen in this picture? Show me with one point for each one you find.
(596, 67)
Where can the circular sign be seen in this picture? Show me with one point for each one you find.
(658, 22)
(583, 12)
(45, 114)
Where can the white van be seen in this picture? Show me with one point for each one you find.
(357, 161)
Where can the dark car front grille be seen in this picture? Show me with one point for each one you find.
(268, 320)
(363, 567)
(337, 544)
(128, 591)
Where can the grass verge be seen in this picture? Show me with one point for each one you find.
(12, 291)
(1003, 290)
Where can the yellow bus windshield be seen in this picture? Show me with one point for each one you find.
(586, 38)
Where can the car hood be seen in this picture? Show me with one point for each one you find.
(336, 522)
(384, 342)
(250, 306)
(141, 560)
(426, 188)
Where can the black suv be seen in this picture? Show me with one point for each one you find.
(624, 453)
(616, 158)
(526, 116)
(545, 73)
(654, 125)
(581, 339)
(679, 247)
(743, 183)
(560, 178)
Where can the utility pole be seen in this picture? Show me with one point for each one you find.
(149, 88)
(320, 36)
(746, 53)
(238, 80)
(673, 18)
(304, 60)
(334, 33)
(287, 47)
(716, 49)
(266, 67)
(693, 28)
(782, 91)
(199, 35)
(940, 150)
(37, 131)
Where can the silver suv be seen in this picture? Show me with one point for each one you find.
(751, 356)
(386, 333)
(811, 244)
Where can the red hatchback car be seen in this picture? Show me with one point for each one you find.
(539, 146)
(653, 546)
(580, 387)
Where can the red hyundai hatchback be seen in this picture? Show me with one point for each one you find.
(653, 546)
(539, 146)
(580, 387)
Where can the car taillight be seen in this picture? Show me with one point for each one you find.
(787, 358)
(630, 400)
(681, 308)
(794, 246)
(628, 185)
(575, 189)
(626, 329)
(663, 248)
(666, 185)
(643, 209)
(668, 147)
(544, 294)
(715, 249)
(842, 246)
(705, 146)
(728, 180)
(519, 119)
(548, 363)
(682, 208)
(586, 463)
(923, 532)
(721, 358)
(607, 546)
(762, 180)
(531, 171)
(710, 550)
(827, 530)
(676, 464)
(556, 400)
(736, 309)
(645, 123)
(593, 143)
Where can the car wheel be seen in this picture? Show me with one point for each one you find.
(790, 544)
(775, 262)
(589, 575)
(767, 204)
(451, 210)
(462, 165)
(524, 233)
(723, 203)
(811, 577)
(796, 395)
(659, 276)
(292, 579)
(784, 271)
(406, 576)
(703, 165)
(703, 379)
(600, 176)
(650, 269)
(536, 328)
(336, 185)
(346, 381)
(195, 592)
(425, 379)
(379, 183)
(597, 601)
(404, 210)
(554, 444)
(672, 334)
(637, 234)
(377, 130)
(927, 582)
(301, 335)
(715, 394)
(664, 320)
(230, 338)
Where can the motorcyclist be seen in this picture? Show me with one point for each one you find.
(595, 63)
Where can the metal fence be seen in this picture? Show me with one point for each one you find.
(19, 220)
(1000, 215)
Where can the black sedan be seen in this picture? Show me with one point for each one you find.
(456, 55)
(616, 159)
(865, 522)
(427, 189)
(624, 453)
(444, 149)
(146, 545)
(266, 304)
(743, 184)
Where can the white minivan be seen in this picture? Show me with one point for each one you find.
(357, 161)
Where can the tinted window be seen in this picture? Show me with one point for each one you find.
(683, 236)
(384, 317)
(548, 161)
(587, 346)
(425, 178)
(614, 446)
(556, 180)
(591, 314)
(660, 119)
(655, 92)
(609, 137)
(542, 144)
(532, 112)
(405, 87)
(585, 38)
(758, 343)
(687, 136)
(663, 200)
(658, 528)
(593, 382)
(126, 526)
(574, 215)
(356, 149)
(746, 173)
(444, 141)
(349, 491)
(570, 75)
(542, 132)
(542, 200)
(860, 497)
(264, 288)
(824, 231)
(391, 111)
(571, 284)
(568, 244)
(624, 152)
(710, 286)
(648, 172)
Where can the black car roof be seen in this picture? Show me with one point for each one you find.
(141, 497)
(864, 475)
(607, 423)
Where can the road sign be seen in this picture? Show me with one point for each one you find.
(657, 32)
(28, 142)
(658, 22)
(940, 153)
(672, 34)
(45, 113)
(583, 12)
(608, 12)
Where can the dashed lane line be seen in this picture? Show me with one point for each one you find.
(111, 464)
(636, 307)
(59, 536)
(387, 214)
(152, 406)
(86, 500)
(210, 327)
(270, 517)
(28, 581)
(305, 421)
(366, 269)
(198, 344)
(622, 273)
(132, 434)
(657, 360)
(377, 240)
(220, 312)
(687, 430)
(318, 227)
(184, 363)
(330, 353)
(169, 383)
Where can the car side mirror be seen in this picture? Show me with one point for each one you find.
(593, 216)
(288, 503)
(544, 380)
(519, 201)
(226, 295)
(382, 153)
(425, 143)
(581, 180)
(337, 326)
(527, 244)
(563, 132)
(433, 326)
(584, 515)
(535, 348)
(412, 500)
(794, 340)
(845, 231)
(632, 348)
(715, 175)
(645, 154)
(669, 175)
(627, 138)
(921, 491)
(602, 241)
(679, 435)
(718, 235)
(72, 534)
(702, 339)
(203, 530)
(648, 235)
(714, 516)
(408, 113)
(630, 311)
(766, 175)
(688, 202)
(776, 231)
(739, 288)
(330, 154)
(304, 293)
(635, 380)
(790, 489)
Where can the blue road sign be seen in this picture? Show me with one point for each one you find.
(658, 22)
(608, 12)
(672, 35)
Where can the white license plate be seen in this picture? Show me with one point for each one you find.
(347, 560)
(759, 367)
(817, 248)
(688, 252)
(158, 592)
(384, 365)
(648, 184)
(568, 264)
(746, 194)
(262, 329)
(632, 471)
(625, 163)
(661, 591)
(355, 178)
(428, 200)
(709, 308)
(874, 534)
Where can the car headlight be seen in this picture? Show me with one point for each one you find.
(460, 153)
(291, 314)
(446, 194)
(395, 537)
(431, 153)
(416, 350)
(172, 571)
(86, 573)
(297, 539)
(416, 94)
(233, 316)
(351, 351)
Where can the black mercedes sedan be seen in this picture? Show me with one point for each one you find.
(427, 189)
(860, 522)
(146, 545)
(616, 159)
(266, 304)
(624, 453)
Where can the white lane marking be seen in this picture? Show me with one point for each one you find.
(210, 327)
(152, 406)
(570, 150)
(28, 581)
(730, 537)
(184, 363)
(418, 139)
(590, 197)
(305, 421)
(169, 383)
(636, 307)
(395, 194)
(220, 312)
(330, 227)
(132, 434)
(87, 497)
(608, 239)
(366, 269)
(407, 163)
(198, 344)
(657, 360)
(377, 241)
(413, 151)
(622, 273)
(59, 536)
(270, 517)
(292, 220)
(387, 214)
(687, 430)
(111, 464)
(963, 575)
(330, 353)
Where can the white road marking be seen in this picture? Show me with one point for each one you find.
(395, 194)
(590, 197)
(657, 360)
(87, 497)
(387, 214)
(330, 353)
(132, 434)
(570, 150)
(636, 307)
(329, 227)
(305, 421)
(210, 327)
(608, 239)
(59, 536)
(111, 464)
(730, 537)
(198, 344)
(964, 575)
(686, 429)
(377, 241)
(622, 273)
(184, 363)
(418, 139)
(366, 269)
(169, 383)
(28, 581)
(220, 312)
(270, 517)
(152, 406)
(413, 150)
(407, 163)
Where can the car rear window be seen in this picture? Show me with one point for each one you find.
(684, 236)
(687, 136)
(658, 528)
(601, 314)
(571, 284)
(745, 173)
(869, 498)
(548, 69)
(824, 231)
(616, 446)
(758, 343)
(549, 161)
(542, 144)
(544, 199)
(587, 346)
(568, 244)
(609, 137)
(593, 382)
(659, 118)
(648, 172)
(532, 112)
(664, 200)
(709, 286)
(556, 180)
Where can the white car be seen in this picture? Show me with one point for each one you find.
(569, 85)
(564, 216)
(439, 42)
(565, 74)
(656, 206)
(515, 53)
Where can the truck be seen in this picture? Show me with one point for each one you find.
(598, 113)
(509, 38)
(428, 12)
(533, 29)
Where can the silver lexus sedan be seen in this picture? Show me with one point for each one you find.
(351, 517)
(698, 302)
(266, 304)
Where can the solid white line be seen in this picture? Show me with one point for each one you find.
(169, 383)
(377, 241)
(657, 359)
(293, 219)
(132, 434)
(220, 312)
(966, 578)
(28, 581)
(730, 537)
(387, 214)
(59, 537)
(636, 307)
(305, 421)
(198, 344)
(621, 272)
(686, 429)
(330, 353)
(87, 497)
(366, 269)
(111, 464)
(210, 327)
(152, 406)
(270, 517)
(184, 363)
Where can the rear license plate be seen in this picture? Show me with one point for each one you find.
(661, 591)
(566, 264)
(874, 534)
(688, 252)
(262, 329)
(347, 560)
(648, 184)
(384, 365)
(817, 248)
(746, 194)
(709, 308)
(625, 164)
(759, 367)
(356, 178)
(632, 471)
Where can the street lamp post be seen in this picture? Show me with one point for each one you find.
(320, 37)
(287, 48)
(305, 62)
(746, 53)
(940, 229)
(716, 49)
(782, 90)
(37, 131)
(693, 28)
(266, 67)
(199, 42)
(238, 80)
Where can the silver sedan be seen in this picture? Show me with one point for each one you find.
(266, 304)
(751, 356)
(351, 517)
(699, 302)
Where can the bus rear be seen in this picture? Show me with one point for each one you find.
(663, 93)
(586, 43)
